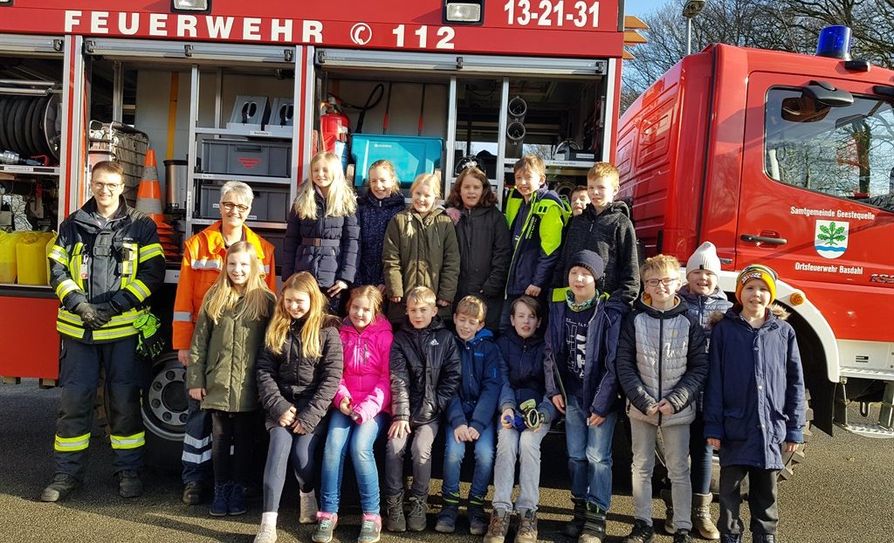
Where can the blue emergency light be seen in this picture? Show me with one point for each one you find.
(835, 42)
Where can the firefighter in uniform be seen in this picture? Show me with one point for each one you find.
(104, 265)
(204, 257)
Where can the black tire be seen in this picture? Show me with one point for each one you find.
(164, 400)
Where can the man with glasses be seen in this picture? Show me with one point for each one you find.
(104, 265)
(204, 258)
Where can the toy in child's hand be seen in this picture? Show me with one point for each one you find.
(529, 418)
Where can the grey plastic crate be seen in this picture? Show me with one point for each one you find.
(270, 204)
(261, 158)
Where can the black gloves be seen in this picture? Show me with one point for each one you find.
(95, 315)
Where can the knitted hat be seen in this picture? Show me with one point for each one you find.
(589, 260)
(704, 258)
(756, 271)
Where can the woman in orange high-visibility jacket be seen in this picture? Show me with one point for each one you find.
(204, 255)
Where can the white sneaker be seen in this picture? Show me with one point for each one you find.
(308, 509)
(266, 534)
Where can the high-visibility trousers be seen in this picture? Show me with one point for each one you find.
(125, 375)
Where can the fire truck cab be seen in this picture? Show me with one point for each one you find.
(227, 90)
(785, 160)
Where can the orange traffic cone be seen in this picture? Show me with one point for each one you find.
(149, 202)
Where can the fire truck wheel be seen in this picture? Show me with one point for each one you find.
(165, 401)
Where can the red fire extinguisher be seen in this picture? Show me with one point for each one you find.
(334, 126)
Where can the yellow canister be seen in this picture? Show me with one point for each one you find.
(8, 256)
(31, 254)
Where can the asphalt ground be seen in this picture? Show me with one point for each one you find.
(843, 492)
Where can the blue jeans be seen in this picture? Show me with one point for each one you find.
(589, 454)
(345, 434)
(484, 462)
(701, 456)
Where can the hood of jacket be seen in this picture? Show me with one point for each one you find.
(717, 296)
(611, 209)
(641, 305)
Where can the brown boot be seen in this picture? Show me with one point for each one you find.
(701, 516)
(527, 527)
(499, 526)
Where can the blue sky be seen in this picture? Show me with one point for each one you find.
(643, 7)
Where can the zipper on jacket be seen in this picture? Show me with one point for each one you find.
(660, 357)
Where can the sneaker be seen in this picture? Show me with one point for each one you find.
(499, 526)
(129, 484)
(59, 488)
(578, 517)
(527, 527)
(641, 533)
(326, 523)
(220, 503)
(394, 509)
(477, 520)
(730, 538)
(370, 529)
(763, 538)
(236, 505)
(594, 525)
(682, 536)
(266, 534)
(192, 493)
(447, 519)
(308, 513)
(416, 509)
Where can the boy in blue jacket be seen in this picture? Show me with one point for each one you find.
(581, 342)
(471, 416)
(754, 403)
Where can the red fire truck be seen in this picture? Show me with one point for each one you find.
(785, 160)
(231, 90)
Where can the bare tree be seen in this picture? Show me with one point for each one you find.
(787, 25)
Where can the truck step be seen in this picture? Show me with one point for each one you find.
(870, 430)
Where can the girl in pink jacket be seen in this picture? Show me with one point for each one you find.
(362, 407)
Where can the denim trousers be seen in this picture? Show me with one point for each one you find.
(344, 435)
(675, 440)
(524, 446)
(422, 437)
(589, 454)
(701, 456)
(484, 462)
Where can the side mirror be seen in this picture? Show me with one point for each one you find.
(825, 93)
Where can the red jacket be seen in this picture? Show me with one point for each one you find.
(366, 379)
(204, 257)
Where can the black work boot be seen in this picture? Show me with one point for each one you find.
(594, 525)
(446, 523)
(395, 521)
(60, 487)
(579, 517)
(193, 492)
(129, 484)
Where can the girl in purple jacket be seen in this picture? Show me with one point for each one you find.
(362, 406)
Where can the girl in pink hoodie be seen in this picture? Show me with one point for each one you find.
(362, 407)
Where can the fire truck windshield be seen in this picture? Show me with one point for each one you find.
(847, 152)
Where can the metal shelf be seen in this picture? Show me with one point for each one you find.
(224, 177)
(32, 170)
(241, 132)
(251, 224)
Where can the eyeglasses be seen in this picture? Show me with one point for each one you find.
(667, 281)
(111, 187)
(230, 206)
